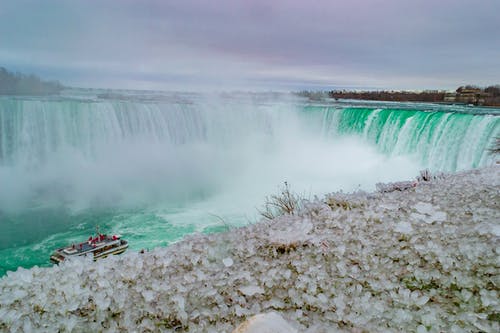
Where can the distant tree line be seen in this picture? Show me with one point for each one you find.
(21, 84)
(494, 91)
(384, 95)
(469, 94)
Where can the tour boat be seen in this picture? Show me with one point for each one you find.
(100, 247)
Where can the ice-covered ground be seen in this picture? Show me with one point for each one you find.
(425, 259)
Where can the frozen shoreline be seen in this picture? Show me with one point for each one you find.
(424, 259)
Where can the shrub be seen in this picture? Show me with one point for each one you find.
(285, 203)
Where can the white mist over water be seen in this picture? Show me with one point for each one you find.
(220, 154)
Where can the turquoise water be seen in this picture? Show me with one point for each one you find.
(444, 141)
(155, 167)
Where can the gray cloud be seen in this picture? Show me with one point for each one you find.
(273, 44)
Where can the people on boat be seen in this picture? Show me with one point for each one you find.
(100, 246)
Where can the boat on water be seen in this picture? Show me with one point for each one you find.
(100, 247)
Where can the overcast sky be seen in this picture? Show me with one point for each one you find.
(253, 44)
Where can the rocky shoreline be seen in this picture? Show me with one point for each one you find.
(422, 259)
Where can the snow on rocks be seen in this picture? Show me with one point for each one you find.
(424, 259)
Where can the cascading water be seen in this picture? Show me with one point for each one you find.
(441, 141)
(107, 146)
(158, 168)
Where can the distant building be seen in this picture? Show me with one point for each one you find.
(450, 97)
(467, 95)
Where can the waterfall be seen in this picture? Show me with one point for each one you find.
(99, 151)
(441, 141)
(155, 169)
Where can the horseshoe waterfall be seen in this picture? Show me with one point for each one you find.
(156, 167)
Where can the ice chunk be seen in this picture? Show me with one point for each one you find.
(488, 297)
(428, 213)
(438, 216)
(180, 301)
(424, 208)
(265, 323)
(251, 290)
(403, 227)
(101, 300)
(421, 329)
(291, 231)
(228, 262)
(495, 230)
(422, 300)
(148, 295)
